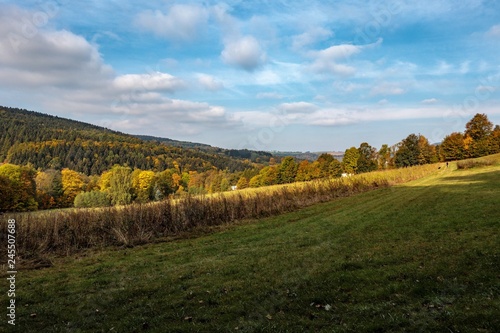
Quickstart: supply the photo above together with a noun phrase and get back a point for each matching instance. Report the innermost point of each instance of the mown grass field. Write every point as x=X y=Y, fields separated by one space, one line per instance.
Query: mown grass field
x=419 y=257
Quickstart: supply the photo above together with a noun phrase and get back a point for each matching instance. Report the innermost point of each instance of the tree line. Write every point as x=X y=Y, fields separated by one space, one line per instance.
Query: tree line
x=24 y=188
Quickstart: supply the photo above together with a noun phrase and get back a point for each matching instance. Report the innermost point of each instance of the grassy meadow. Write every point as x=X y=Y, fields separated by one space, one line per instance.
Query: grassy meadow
x=416 y=257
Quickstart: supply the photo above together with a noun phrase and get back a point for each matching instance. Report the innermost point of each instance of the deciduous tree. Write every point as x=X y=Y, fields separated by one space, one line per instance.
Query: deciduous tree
x=19 y=187
x=350 y=160
x=366 y=160
x=453 y=148
x=120 y=185
x=408 y=152
x=72 y=184
x=287 y=170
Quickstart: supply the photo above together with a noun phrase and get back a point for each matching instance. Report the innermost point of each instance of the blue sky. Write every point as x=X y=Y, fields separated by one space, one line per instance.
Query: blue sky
x=266 y=75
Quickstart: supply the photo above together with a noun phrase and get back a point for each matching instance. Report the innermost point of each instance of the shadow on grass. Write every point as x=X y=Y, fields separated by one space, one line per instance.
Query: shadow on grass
x=479 y=177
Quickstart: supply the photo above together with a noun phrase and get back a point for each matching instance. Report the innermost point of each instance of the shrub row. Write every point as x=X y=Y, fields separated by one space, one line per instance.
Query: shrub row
x=66 y=232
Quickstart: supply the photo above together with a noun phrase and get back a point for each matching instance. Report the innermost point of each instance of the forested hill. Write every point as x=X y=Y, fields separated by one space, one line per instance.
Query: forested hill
x=256 y=156
x=46 y=141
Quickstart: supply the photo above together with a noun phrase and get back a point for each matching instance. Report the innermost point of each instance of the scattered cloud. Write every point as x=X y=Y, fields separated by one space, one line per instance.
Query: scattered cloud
x=69 y=76
x=244 y=52
x=181 y=22
x=97 y=70
x=156 y=81
x=429 y=101
x=310 y=37
x=330 y=59
x=46 y=58
x=298 y=107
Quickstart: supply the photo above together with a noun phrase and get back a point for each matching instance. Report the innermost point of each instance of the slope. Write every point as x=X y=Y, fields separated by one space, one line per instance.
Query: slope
x=46 y=141
x=423 y=256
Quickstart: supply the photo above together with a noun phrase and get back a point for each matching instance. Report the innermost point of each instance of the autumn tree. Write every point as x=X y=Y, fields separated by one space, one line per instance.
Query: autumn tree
x=366 y=160
x=453 y=148
x=224 y=185
x=72 y=184
x=323 y=164
x=143 y=185
x=164 y=184
x=335 y=168
x=255 y=181
x=7 y=198
x=479 y=128
x=269 y=175
x=350 y=160
x=304 y=171
x=120 y=185
x=287 y=170
x=18 y=188
x=384 y=158
x=426 y=151
x=49 y=188
x=242 y=183
x=495 y=140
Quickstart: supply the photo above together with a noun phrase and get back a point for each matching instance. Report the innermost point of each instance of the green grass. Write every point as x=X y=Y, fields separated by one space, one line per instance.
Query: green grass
x=418 y=257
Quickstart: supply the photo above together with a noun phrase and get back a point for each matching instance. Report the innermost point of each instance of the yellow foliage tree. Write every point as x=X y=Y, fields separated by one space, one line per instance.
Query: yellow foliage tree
x=104 y=181
x=142 y=184
x=72 y=184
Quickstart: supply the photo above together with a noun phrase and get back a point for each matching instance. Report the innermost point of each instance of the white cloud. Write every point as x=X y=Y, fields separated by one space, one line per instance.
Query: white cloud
x=149 y=82
x=244 y=52
x=181 y=22
x=31 y=57
x=65 y=74
x=298 y=107
x=329 y=60
x=429 y=101
x=210 y=83
x=310 y=37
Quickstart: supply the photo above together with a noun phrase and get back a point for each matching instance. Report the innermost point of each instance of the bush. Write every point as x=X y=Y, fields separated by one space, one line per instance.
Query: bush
x=92 y=199
x=468 y=164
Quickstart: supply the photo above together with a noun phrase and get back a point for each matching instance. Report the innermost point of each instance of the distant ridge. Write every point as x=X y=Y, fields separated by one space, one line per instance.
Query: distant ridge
x=45 y=141
x=171 y=142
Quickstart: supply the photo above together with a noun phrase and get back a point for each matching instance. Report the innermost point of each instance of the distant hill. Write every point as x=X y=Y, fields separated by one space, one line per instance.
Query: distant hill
x=310 y=156
x=45 y=141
